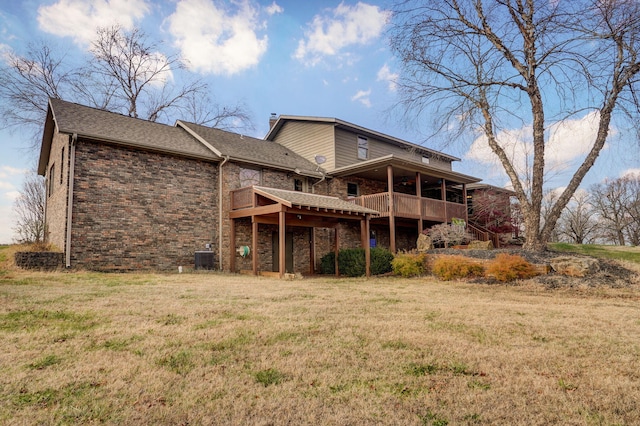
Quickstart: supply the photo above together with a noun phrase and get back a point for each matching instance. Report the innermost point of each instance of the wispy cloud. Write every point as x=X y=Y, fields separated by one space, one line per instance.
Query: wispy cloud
x=79 y=19
x=274 y=9
x=363 y=97
x=339 y=28
x=9 y=171
x=385 y=74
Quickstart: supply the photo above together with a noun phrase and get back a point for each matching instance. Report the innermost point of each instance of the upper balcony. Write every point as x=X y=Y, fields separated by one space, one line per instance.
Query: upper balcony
x=412 y=207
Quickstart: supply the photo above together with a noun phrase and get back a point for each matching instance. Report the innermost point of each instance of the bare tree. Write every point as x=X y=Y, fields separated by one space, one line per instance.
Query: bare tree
x=138 y=78
x=489 y=63
x=29 y=207
x=609 y=199
x=26 y=84
x=578 y=223
x=632 y=208
x=125 y=72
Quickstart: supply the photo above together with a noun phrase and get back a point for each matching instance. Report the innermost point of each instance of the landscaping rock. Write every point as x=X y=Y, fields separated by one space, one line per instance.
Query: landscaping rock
x=424 y=243
x=574 y=266
x=480 y=245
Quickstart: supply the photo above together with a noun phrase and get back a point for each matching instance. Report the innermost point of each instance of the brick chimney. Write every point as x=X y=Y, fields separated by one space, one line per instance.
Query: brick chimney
x=272 y=120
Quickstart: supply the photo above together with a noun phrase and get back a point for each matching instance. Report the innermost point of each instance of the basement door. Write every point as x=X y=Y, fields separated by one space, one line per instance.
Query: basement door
x=288 y=251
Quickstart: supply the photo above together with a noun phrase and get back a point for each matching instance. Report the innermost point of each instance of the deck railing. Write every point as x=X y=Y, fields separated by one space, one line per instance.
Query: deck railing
x=483 y=234
x=241 y=198
x=408 y=206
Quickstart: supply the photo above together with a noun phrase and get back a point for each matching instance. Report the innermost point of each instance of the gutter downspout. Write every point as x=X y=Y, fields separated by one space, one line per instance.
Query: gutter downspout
x=313 y=185
x=226 y=158
x=72 y=162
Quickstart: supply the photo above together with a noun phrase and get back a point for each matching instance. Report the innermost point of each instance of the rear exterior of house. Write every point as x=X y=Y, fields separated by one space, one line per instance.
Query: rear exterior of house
x=128 y=194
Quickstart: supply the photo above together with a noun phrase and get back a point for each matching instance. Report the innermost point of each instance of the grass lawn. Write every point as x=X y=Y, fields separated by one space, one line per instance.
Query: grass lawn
x=228 y=349
x=626 y=253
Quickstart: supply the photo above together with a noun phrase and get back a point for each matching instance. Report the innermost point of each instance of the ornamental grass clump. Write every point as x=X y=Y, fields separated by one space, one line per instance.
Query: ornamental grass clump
x=409 y=264
x=452 y=267
x=508 y=267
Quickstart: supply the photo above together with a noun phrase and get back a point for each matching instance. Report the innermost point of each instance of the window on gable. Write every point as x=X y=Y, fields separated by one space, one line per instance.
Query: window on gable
x=52 y=178
x=249 y=177
x=352 y=189
x=363 y=148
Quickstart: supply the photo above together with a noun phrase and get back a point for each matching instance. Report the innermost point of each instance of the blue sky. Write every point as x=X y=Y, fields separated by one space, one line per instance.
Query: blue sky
x=320 y=58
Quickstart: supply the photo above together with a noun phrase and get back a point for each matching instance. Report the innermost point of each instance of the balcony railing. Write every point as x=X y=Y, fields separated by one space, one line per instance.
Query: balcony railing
x=408 y=206
x=241 y=198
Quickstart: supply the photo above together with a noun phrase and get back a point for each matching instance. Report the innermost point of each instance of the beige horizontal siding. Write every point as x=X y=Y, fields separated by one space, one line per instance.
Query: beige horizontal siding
x=308 y=140
x=347 y=151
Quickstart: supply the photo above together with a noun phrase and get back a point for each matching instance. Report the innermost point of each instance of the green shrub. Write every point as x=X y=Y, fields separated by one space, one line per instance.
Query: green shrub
x=409 y=264
x=506 y=267
x=351 y=262
x=451 y=267
x=328 y=263
x=380 y=261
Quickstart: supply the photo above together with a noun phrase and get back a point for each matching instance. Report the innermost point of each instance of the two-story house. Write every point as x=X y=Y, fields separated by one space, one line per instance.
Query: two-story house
x=127 y=194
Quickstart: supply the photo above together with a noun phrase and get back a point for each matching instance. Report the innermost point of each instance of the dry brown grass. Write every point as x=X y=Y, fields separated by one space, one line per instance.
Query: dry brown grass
x=227 y=349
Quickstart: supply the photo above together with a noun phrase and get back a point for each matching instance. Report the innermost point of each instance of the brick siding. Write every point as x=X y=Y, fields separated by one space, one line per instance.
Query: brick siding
x=137 y=210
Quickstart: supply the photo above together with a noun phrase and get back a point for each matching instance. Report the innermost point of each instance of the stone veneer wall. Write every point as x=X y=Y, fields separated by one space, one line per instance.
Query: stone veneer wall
x=56 y=200
x=43 y=260
x=141 y=210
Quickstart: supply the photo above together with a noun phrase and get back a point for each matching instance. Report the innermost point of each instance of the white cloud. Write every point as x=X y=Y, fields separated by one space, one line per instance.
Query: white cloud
x=213 y=40
x=363 y=97
x=8 y=171
x=273 y=9
x=385 y=74
x=343 y=26
x=631 y=173
x=79 y=19
x=6 y=185
x=12 y=195
x=567 y=141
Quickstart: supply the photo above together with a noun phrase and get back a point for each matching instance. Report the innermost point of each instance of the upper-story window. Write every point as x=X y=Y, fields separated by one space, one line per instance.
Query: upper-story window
x=363 y=148
x=352 y=189
x=300 y=185
x=249 y=177
x=425 y=159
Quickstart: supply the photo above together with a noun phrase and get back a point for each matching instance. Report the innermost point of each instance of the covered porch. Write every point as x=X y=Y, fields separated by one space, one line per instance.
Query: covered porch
x=283 y=210
x=414 y=193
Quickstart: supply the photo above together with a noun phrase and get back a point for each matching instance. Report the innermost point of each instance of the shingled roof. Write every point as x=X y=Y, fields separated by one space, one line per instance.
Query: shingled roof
x=251 y=150
x=107 y=126
x=304 y=199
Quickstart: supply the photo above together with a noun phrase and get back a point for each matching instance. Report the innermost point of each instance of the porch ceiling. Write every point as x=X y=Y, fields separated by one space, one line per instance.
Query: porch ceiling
x=376 y=169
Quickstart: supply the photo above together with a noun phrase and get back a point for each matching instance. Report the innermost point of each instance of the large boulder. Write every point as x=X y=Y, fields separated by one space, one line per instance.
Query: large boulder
x=480 y=245
x=424 y=243
x=574 y=266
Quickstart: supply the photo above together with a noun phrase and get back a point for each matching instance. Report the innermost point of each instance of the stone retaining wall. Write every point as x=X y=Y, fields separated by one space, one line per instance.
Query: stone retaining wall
x=44 y=260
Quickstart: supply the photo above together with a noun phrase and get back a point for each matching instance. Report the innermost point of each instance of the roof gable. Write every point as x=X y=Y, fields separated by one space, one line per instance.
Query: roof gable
x=251 y=150
x=93 y=123
x=354 y=129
